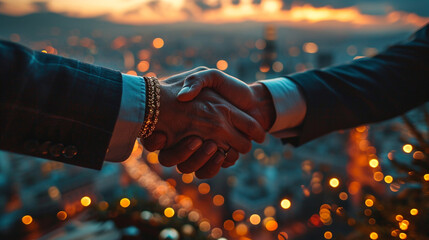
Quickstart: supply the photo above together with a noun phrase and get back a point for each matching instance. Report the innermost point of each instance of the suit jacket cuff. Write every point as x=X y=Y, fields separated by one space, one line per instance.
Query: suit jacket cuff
x=130 y=118
x=289 y=104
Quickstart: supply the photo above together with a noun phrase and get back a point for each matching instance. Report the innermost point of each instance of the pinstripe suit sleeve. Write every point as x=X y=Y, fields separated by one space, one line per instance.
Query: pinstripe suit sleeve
x=56 y=108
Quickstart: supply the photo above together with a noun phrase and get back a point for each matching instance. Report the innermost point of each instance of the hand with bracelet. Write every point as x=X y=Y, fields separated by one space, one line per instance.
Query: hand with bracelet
x=254 y=99
x=223 y=130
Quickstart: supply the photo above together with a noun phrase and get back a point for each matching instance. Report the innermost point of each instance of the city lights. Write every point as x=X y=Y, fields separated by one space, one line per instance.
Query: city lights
x=158 y=43
x=388 y=179
x=285 y=203
x=125 y=202
x=373 y=235
x=328 y=235
x=62 y=215
x=169 y=212
x=369 y=202
x=334 y=182
x=414 y=211
x=85 y=201
x=27 y=219
x=373 y=163
x=407 y=148
x=222 y=65
x=218 y=200
x=255 y=219
x=204 y=188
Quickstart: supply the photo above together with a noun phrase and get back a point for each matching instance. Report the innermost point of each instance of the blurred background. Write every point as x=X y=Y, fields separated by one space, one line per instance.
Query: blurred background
x=371 y=182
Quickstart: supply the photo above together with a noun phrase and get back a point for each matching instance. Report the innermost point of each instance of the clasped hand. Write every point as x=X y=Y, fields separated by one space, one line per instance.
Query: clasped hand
x=201 y=130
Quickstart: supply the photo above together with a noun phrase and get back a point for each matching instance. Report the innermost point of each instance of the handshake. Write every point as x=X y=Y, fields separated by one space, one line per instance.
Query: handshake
x=201 y=130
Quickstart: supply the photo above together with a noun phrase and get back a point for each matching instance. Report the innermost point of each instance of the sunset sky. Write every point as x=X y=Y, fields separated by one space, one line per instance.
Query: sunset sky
x=356 y=13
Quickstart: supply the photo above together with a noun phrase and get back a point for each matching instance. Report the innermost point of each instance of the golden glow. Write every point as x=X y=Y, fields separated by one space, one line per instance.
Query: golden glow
x=222 y=65
x=54 y=193
x=85 y=201
x=373 y=163
x=255 y=219
x=204 y=188
x=61 y=215
x=152 y=157
x=369 y=202
x=285 y=203
x=407 y=148
x=378 y=176
x=238 y=215
x=241 y=229
x=403 y=225
x=218 y=200
x=269 y=211
x=143 y=66
x=388 y=179
x=399 y=218
x=169 y=11
x=132 y=72
x=373 y=235
x=402 y=235
x=124 y=202
x=27 y=219
x=334 y=182
x=419 y=155
x=271 y=225
x=158 y=43
x=426 y=177
x=414 y=211
x=169 y=212
x=229 y=225
x=204 y=226
x=343 y=196
x=187 y=177
x=310 y=47
x=328 y=235
x=216 y=233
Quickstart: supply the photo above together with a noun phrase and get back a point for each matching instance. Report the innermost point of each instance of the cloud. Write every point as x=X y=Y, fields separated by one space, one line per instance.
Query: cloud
x=40 y=6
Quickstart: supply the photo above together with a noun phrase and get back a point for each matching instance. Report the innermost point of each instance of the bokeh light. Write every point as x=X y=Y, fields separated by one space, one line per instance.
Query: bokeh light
x=85 y=201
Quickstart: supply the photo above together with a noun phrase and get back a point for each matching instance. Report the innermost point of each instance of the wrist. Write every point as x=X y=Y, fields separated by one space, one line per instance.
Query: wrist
x=264 y=105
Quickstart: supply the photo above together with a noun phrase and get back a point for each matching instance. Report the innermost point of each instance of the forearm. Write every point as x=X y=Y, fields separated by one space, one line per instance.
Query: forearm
x=50 y=104
x=366 y=90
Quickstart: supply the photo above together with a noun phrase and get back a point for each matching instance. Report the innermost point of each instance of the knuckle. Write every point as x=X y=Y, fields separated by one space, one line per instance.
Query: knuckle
x=184 y=168
x=201 y=68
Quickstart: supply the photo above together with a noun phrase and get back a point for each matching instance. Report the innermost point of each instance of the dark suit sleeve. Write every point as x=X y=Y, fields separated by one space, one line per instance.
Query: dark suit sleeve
x=56 y=108
x=366 y=90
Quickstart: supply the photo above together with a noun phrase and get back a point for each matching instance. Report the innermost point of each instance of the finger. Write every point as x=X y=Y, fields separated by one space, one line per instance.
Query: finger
x=212 y=167
x=231 y=158
x=247 y=125
x=183 y=75
x=238 y=141
x=155 y=141
x=180 y=152
x=194 y=83
x=199 y=158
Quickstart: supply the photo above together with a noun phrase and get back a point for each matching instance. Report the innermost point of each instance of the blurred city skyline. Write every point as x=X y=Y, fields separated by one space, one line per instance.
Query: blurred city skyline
x=392 y=14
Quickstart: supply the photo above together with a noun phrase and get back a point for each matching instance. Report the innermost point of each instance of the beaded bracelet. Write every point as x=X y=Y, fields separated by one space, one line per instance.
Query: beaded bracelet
x=153 y=96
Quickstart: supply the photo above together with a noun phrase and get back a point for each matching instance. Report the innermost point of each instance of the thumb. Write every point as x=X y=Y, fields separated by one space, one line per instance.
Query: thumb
x=189 y=92
x=193 y=85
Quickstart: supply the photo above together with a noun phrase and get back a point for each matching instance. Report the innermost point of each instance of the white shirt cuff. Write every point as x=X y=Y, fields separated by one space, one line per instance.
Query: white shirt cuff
x=289 y=104
x=130 y=118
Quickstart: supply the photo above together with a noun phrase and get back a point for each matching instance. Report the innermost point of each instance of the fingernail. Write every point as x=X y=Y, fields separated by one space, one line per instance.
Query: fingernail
x=210 y=149
x=195 y=143
x=183 y=91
